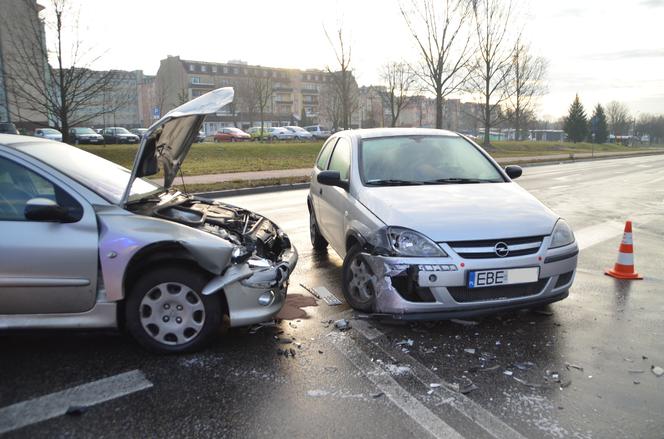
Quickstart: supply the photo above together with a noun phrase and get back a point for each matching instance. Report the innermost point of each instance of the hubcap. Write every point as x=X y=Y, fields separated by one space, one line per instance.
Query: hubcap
x=361 y=284
x=172 y=313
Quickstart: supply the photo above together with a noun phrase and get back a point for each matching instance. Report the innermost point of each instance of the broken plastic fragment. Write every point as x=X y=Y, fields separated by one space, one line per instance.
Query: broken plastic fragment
x=658 y=371
x=468 y=388
x=377 y=395
x=526 y=383
x=524 y=365
x=469 y=351
x=568 y=365
x=434 y=385
x=342 y=325
x=408 y=342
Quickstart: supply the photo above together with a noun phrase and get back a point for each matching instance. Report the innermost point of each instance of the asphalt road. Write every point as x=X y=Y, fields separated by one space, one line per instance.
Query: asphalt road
x=375 y=380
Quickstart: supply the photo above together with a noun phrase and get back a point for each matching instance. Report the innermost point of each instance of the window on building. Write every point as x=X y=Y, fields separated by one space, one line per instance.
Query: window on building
x=214 y=69
x=203 y=68
x=236 y=71
x=191 y=67
x=195 y=79
x=225 y=69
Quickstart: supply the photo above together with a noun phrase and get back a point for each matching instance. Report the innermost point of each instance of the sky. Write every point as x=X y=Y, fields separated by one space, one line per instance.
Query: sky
x=603 y=50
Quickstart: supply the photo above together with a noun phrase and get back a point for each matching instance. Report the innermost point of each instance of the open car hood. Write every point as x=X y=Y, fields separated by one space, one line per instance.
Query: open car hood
x=167 y=142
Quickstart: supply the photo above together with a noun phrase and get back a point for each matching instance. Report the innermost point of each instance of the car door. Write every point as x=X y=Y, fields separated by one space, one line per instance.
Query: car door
x=316 y=189
x=333 y=200
x=45 y=266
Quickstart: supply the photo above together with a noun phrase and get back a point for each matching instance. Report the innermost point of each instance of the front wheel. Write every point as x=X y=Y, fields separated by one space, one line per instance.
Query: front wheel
x=166 y=312
x=358 y=281
x=317 y=241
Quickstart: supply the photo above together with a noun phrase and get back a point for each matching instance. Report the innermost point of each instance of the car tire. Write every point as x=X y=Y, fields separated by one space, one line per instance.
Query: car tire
x=166 y=312
x=317 y=241
x=358 y=281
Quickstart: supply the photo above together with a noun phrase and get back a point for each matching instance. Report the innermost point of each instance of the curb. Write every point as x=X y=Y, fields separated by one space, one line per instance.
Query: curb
x=295 y=186
x=252 y=190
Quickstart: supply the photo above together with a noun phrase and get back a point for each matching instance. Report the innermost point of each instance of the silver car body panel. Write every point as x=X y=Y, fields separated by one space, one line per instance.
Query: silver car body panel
x=479 y=212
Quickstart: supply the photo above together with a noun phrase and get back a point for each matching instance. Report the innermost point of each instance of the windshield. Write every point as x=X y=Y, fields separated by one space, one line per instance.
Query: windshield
x=49 y=131
x=424 y=160
x=83 y=131
x=106 y=178
x=120 y=131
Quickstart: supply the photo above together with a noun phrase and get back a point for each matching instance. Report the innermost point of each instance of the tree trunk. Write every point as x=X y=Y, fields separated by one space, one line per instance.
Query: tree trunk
x=439 y=110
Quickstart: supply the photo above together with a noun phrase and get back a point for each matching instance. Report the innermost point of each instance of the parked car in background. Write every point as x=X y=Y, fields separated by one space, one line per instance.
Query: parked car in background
x=89 y=244
x=256 y=133
x=200 y=137
x=231 y=134
x=140 y=132
x=430 y=226
x=85 y=135
x=48 y=133
x=318 y=131
x=119 y=135
x=300 y=133
x=279 y=133
x=8 y=128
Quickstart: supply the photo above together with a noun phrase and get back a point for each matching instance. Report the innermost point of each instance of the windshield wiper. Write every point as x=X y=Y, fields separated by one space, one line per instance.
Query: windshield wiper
x=393 y=182
x=461 y=181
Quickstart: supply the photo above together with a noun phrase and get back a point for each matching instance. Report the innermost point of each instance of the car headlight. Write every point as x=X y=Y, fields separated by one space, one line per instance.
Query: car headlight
x=406 y=242
x=562 y=234
x=240 y=254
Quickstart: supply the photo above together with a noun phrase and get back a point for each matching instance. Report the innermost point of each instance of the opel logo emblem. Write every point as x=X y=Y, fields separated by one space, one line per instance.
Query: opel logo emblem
x=501 y=249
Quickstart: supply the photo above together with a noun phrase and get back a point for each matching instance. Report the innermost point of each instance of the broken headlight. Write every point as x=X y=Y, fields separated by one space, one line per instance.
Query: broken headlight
x=406 y=242
x=241 y=254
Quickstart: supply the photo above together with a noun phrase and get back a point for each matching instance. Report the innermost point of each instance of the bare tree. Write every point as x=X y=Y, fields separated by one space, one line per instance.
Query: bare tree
x=182 y=97
x=526 y=84
x=619 y=118
x=66 y=91
x=344 y=85
x=444 y=44
x=330 y=105
x=262 y=93
x=399 y=80
x=161 y=93
x=493 y=64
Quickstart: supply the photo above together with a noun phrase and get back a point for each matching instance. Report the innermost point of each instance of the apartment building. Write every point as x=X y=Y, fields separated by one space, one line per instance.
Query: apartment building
x=294 y=92
x=21 y=40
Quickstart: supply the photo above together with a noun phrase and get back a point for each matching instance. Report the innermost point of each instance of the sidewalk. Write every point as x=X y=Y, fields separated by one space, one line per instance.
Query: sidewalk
x=303 y=172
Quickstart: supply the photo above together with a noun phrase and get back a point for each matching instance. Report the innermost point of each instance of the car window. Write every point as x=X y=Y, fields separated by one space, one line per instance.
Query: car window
x=340 y=160
x=19 y=184
x=424 y=159
x=324 y=156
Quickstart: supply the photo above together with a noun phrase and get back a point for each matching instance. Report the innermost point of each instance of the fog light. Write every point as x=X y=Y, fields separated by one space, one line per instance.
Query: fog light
x=266 y=298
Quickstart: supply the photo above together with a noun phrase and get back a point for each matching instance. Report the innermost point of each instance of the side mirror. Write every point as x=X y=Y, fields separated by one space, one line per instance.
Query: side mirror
x=332 y=178
x=513 y=171
x=43 y=209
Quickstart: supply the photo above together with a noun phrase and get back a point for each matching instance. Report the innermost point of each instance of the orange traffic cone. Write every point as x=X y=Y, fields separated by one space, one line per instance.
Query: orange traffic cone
x=624 y=268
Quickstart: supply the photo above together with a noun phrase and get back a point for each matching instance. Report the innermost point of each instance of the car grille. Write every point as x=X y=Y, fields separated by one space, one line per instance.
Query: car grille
x=464 y=294
x=485 y=249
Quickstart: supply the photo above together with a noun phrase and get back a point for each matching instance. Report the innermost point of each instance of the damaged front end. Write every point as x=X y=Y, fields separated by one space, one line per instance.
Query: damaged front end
x=414 y=278
x=251 y=260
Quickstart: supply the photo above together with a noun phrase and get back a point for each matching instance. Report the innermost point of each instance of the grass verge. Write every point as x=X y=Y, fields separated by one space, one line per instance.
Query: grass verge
x=241 y=184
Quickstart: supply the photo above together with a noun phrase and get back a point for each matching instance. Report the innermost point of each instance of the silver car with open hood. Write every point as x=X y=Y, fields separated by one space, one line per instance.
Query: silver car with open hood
x=89 y=244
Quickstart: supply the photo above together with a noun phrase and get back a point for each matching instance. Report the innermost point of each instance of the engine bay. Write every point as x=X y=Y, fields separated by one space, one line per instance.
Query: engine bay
x=258 y=235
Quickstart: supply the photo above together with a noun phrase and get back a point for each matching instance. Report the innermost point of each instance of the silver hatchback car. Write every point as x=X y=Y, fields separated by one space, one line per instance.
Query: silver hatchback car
x=89 y=244
x=429 y=226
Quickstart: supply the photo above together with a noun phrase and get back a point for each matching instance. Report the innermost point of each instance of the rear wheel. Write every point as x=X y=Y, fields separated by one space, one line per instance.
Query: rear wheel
x=358 y=281
x=317 y=241
x=166 y=312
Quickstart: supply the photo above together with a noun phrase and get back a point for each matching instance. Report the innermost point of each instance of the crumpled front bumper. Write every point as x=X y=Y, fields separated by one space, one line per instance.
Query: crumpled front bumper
x=254 y=293
x=436 y=288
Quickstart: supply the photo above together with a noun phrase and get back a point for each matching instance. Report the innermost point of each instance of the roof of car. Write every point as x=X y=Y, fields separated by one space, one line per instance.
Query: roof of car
x=16 y=140
x=368 y=133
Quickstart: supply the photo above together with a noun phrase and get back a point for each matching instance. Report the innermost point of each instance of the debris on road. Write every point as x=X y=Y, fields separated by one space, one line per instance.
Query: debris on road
x=524 y=365
x=342 y=325
x=310 y=291
x=327 y=297
x=526 y=383
x=469 y=351
x=574 y=366
x=434 y=385
x=284 y=340
x=408 y=342
x=76 y=410
x=468 y=388
x=509 y=373
x=377 y=395
x=658 y=371
x=488 y=369
x=465 y=322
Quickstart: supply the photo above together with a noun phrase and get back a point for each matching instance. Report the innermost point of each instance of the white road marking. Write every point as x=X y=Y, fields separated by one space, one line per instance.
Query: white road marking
x=56 y=404
x=417 y=411
x=589 y=236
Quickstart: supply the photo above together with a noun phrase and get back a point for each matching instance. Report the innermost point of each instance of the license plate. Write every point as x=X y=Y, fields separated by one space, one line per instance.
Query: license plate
x=508 y=276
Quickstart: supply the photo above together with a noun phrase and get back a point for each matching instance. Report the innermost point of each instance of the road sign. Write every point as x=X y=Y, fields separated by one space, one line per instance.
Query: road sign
x=156 y=114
